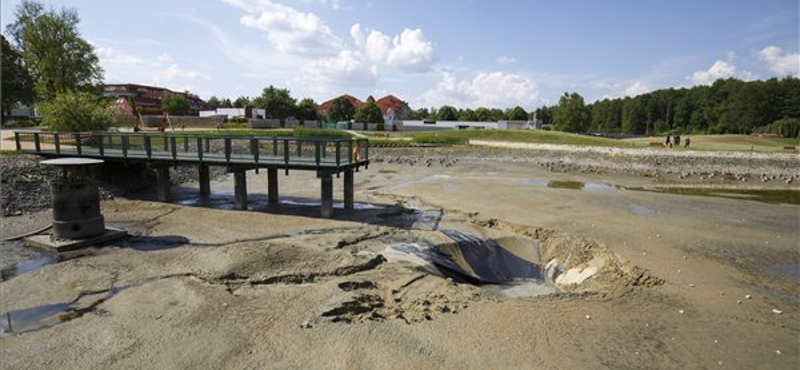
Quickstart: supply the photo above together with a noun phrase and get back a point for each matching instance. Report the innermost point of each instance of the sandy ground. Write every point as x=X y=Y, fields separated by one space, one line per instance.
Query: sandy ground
x=683 y=281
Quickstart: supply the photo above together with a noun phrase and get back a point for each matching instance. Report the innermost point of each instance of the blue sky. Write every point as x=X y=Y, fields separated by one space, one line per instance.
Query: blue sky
x=466 y=53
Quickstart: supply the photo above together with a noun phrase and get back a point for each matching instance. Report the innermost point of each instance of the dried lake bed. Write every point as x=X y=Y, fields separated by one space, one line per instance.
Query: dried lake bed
x=603 y=267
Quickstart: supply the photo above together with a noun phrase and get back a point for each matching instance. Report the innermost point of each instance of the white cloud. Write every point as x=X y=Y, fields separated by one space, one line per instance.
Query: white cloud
x=784 y=64
x=503 y=59
x=409 y=51
x=493 y=89
x=720 y=69
x=348 y=69
x=288 y=29
x=123 y=67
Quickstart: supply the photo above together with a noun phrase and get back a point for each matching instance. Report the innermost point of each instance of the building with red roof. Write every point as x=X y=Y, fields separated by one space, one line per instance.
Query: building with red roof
x=392 y=107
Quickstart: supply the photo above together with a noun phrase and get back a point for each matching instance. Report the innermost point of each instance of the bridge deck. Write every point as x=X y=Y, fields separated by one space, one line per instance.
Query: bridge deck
x=330 y=155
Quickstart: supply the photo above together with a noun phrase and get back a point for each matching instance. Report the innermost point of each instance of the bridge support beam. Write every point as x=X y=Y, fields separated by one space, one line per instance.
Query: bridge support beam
x=240 y=190
x=327 y=195
x=272 y=185
x=348 y=188
x=205 y=180
x=163 y=185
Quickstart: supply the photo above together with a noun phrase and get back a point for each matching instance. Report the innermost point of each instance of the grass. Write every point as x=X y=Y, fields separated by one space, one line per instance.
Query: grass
x=726 y=142
x=462 y=137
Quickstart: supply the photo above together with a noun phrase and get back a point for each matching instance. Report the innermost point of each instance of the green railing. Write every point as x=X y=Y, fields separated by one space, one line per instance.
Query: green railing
x=245 y=150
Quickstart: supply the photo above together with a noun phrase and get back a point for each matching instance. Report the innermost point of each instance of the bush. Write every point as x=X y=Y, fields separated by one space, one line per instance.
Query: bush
x=320 y=132
x=787 y=127
x=235 y=124
x=77 y=111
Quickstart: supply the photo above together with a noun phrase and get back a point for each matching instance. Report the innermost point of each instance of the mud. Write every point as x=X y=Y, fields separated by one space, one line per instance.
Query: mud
x=623 y=278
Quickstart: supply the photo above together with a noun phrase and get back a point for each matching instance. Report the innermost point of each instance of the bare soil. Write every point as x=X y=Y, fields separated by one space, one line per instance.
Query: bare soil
x=679 y=281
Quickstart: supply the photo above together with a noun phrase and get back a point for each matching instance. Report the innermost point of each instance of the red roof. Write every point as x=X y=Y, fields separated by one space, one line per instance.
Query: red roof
x=326 y=106
x=393 y=102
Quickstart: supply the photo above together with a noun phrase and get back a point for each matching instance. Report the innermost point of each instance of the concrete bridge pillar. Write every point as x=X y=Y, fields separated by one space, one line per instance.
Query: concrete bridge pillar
x=163 y=185
x=348 y=188
x=205 y=180
x=272 y=185
x=240 y=190
x=327 y=195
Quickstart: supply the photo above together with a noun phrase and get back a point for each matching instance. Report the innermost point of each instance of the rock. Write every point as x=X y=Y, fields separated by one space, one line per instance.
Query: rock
x=747 y=296
x=776 y=311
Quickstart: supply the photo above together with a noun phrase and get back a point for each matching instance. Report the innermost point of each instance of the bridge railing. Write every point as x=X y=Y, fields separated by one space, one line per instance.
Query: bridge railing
x=187 y=147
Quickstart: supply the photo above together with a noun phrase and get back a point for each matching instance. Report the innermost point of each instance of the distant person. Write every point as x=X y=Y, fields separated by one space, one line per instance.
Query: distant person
x=677 y=141
x=688 y=141
x=667 y=142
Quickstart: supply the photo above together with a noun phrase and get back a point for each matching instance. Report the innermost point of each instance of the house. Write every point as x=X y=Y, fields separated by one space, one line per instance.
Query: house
x=392 y=107
x=147 y=99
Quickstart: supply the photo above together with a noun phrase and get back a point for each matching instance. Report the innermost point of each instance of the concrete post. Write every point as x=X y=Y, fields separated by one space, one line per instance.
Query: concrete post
x=272 y=185
x=162 y=184
x=240 y=190
x=205 y=180
x=327 y=195
x=348 y=188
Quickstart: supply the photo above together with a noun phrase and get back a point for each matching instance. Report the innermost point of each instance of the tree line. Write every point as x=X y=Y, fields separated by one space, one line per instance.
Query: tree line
x=728 y=106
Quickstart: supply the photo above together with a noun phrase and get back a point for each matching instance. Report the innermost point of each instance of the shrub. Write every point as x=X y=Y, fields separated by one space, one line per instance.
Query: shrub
x=77 y=111
x=788 y=127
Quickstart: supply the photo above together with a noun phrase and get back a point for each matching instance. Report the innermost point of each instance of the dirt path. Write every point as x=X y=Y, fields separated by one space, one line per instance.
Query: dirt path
x=685 y=281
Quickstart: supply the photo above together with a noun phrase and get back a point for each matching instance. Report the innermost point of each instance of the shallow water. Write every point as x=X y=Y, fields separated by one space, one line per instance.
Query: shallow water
x=28 y=266
x=772 y=196
x=791 y=271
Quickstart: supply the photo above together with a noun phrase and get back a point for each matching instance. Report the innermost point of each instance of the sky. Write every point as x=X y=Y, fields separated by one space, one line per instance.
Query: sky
x=465 y=53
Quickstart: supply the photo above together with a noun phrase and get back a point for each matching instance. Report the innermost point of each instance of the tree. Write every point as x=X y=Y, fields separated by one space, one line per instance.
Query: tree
x=467 y=115
x=58 y=58
x=278 y=103
x=368 y=113
x=213 y=101
x=226 y=103
x=307 y=110
x=517 y=114
x=77 y=111
x=447 y=113
x=483 y=114
x=175 y=104
x=241 y=102
x=571 y=114
x=17 y=85
x=341 y=110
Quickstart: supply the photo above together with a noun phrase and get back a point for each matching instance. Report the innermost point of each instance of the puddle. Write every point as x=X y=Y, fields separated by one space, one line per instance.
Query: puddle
x=574 y=185
x=643 y=211
x=525 y=289
x=772 y=196
x=28 y=266
x=224 y=200
x=791 y=271
x=42 y=317
x=32 y=319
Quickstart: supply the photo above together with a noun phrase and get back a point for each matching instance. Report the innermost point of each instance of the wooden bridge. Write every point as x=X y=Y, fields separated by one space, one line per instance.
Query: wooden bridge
x=239 y=153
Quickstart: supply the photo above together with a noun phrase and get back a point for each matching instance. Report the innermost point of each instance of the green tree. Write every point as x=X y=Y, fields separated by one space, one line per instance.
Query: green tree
x=307 y=110
x=58 y=58
x=176 y=105
x=241 y=102
x=77 y=111
x=341 y=110
x=225 y=103
x=517 y=114
x=213 y=101
x=278 y=103
x=482 y=114
x=467 y=115
x=497 y=114
x=571 y=114
x=447 y=113
x=17 y=85
x=368 y=113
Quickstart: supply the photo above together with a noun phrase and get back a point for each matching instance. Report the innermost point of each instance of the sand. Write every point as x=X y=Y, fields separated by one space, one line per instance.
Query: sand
x=677 y=282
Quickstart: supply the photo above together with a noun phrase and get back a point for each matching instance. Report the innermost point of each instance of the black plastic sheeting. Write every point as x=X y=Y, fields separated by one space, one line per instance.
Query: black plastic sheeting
x=474 y=260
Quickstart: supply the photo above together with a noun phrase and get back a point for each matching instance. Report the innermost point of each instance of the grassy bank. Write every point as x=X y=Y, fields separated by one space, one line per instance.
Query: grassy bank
x=726 y=142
